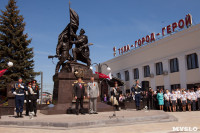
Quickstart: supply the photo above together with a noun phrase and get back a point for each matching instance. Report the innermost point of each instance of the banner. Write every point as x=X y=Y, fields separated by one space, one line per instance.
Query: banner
x=2 y=72
x=103 y=76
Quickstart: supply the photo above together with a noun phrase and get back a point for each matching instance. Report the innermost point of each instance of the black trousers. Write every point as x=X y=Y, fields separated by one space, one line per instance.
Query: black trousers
x=179 y=107
x=198 y=103
x=193 y=105
x=150 y=103
x=33 y=106
x=27 y=107
x=79 y=101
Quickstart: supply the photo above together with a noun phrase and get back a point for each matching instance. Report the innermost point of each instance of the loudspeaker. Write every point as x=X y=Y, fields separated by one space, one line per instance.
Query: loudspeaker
x=145 y=85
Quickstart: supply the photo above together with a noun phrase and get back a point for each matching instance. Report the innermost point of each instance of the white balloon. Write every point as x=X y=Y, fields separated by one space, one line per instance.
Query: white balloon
x=10 y=64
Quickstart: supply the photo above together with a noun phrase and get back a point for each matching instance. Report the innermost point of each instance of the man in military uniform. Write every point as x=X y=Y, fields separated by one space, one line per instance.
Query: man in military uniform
x=34 y=93
x=137 y=91
x=18 y=91
x=81 y=51
x=27 y=100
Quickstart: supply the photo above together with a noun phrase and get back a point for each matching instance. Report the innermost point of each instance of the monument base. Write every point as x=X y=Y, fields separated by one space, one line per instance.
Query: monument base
x=63 y=93
x=70 y=109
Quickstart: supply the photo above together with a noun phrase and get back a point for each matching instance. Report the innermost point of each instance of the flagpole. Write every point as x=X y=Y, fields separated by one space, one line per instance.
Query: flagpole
x=69 y=24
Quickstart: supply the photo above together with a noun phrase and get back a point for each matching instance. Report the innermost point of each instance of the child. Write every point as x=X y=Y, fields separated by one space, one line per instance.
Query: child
x=194 y=99
x=178 y=93
x=183 y=100
x=105 y=98
x=167 y=102
x=188 y=100
x=173 y=98
x=198 y=97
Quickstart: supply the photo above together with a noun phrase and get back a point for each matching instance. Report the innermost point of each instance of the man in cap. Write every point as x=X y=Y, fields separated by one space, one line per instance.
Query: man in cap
x=137 y=91
x=34 y=96
x=27 y=99
x=18 y=91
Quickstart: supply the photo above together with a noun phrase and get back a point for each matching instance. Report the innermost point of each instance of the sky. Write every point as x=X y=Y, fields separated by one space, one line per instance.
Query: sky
x=107 y=23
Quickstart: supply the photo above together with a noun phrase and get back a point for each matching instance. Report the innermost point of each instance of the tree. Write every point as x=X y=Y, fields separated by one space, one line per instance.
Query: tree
x=14 y=46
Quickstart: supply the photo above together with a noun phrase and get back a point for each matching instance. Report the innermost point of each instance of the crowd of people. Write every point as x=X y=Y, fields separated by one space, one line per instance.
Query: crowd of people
x=28 y=94
x=176 y=100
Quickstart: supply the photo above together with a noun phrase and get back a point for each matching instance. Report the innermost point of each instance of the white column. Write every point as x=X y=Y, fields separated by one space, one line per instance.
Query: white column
x=182 y=68
x=122 y=75
x=166 y=77
x=153 y=81
x=131 y=78
x=141 y=74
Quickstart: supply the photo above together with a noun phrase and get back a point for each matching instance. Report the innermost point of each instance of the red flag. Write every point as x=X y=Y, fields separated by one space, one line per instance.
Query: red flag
x=2 y=72
x=101 y=75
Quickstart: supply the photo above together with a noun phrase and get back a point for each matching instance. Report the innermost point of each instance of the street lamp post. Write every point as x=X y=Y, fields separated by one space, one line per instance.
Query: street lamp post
x=99 y=66
x=41 y=73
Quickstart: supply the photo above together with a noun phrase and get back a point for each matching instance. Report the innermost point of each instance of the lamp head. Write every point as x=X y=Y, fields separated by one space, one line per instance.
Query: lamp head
x=108 y=68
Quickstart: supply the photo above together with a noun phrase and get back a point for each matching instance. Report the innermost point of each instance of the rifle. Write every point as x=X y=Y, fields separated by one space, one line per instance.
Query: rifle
x=53 y=56
x=88 y=44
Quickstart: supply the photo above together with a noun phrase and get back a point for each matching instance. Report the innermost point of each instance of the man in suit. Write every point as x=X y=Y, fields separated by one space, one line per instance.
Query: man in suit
x=79 y=92
x=93 y=93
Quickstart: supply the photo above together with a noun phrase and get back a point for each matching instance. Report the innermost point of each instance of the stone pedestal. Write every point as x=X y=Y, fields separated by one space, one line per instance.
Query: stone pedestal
x=63 y=94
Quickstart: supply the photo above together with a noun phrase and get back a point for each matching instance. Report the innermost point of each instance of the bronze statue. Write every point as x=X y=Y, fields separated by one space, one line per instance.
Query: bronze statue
x=81 y=52
x=66 y=40
x=64 y=45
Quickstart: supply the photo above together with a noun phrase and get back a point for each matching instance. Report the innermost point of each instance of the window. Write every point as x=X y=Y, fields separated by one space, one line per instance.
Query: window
x=119 y=75
x=146 y=71
x=175 y=86
x=159 y=68
x=192 y=61
x=126 y=75
x=160 y=87
x=136 y=73
x=174 y=67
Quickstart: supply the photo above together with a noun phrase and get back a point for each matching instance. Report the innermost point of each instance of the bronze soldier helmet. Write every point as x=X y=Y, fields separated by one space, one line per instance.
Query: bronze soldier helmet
x=82 y=31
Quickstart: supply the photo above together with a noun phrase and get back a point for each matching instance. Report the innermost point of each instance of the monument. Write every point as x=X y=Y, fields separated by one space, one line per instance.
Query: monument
x=70 y=66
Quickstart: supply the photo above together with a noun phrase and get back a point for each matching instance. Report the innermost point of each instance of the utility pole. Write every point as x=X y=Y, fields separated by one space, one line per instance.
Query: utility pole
x=41 y=74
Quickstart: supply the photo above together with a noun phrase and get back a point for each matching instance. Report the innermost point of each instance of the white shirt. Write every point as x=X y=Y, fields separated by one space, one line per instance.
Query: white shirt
x=173 y=97
x=167 y=96
x=193 y=95
x=188 y=95
x=183 y=97
x=178 y=94
x=198 y=93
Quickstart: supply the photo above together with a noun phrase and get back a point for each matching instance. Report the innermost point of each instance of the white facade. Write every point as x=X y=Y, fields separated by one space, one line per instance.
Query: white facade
x=177 y=45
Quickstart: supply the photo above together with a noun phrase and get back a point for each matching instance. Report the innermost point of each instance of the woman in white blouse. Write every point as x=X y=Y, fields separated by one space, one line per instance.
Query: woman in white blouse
x=183 y=100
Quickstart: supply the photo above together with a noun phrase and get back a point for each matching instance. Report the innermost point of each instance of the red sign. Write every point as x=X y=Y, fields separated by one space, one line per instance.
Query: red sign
x=152 y=37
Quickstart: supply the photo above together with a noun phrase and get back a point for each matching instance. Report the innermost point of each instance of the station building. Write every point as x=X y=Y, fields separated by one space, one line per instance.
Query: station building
x=170 y=62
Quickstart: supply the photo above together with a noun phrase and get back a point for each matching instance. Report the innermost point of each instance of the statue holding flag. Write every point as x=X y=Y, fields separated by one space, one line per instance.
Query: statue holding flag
x=66 y=40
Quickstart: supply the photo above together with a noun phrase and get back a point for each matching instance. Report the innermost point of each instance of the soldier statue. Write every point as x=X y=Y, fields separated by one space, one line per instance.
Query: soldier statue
x=81 y=51
x=64 y=45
